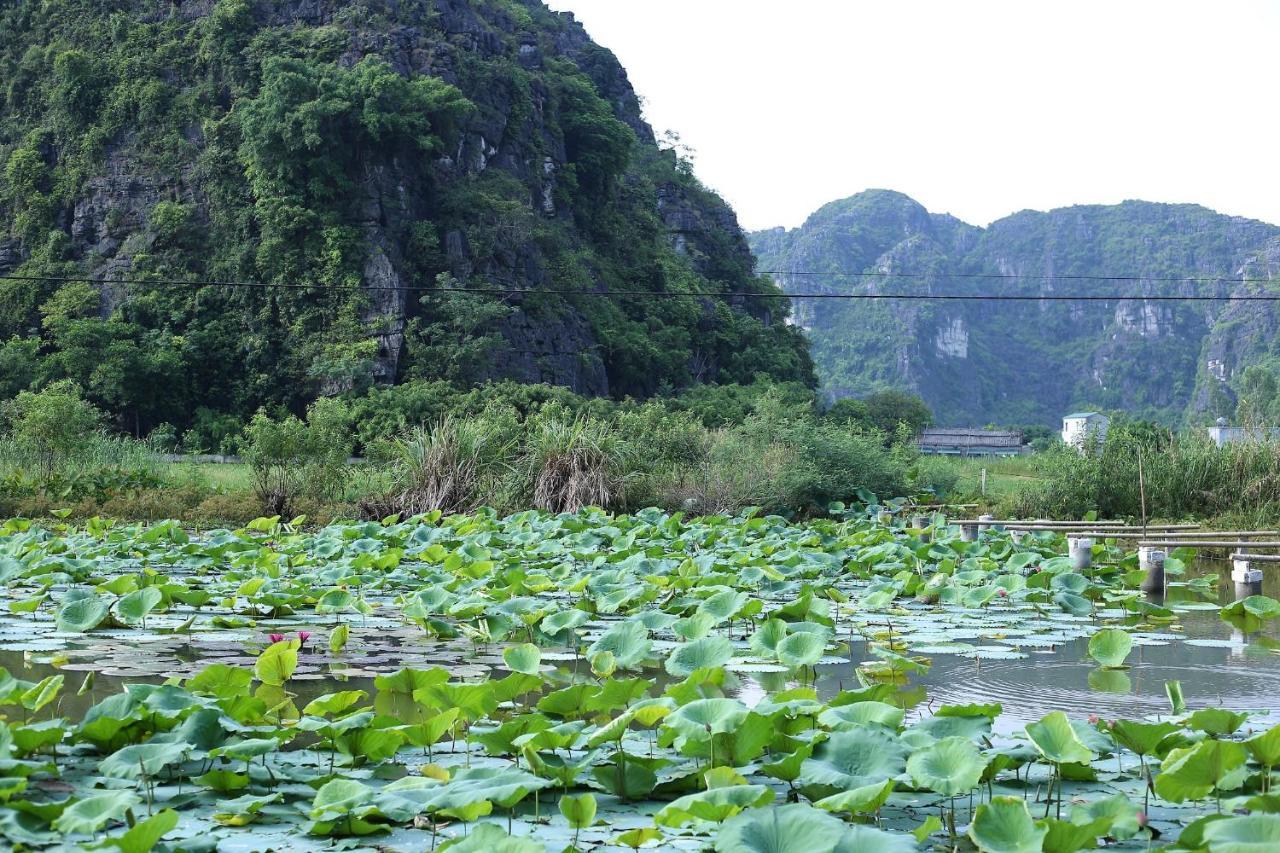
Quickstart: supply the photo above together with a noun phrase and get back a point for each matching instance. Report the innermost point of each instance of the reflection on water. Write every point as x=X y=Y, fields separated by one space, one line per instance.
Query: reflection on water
x=1241 y=674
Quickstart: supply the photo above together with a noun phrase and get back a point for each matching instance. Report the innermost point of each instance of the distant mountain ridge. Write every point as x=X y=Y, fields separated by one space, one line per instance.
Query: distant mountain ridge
x=1025 y=362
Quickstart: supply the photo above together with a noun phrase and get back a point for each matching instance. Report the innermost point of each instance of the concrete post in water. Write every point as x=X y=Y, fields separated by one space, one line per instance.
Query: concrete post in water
x=969 y=532
x=921 y=523
x=1080 y=549
x=984 y=522
x=1151 y=561
x=885 y=517
x=1248 y=580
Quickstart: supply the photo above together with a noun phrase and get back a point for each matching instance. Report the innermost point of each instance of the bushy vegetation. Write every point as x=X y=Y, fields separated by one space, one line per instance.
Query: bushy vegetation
x=1186 y=476
x=429 y=446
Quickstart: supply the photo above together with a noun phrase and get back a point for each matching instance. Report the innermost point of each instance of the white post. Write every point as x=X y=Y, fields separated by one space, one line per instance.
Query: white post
x=1247 y=579
x=984 y=522
x=1080 y=549
x=1151 y=561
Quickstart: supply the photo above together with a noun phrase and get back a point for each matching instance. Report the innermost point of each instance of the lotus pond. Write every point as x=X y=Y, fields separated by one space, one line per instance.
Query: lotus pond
x=590 y=681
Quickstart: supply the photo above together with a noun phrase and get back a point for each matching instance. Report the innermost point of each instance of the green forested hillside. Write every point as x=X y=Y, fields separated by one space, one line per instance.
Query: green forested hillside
x=1031 y=362
x=347 y=154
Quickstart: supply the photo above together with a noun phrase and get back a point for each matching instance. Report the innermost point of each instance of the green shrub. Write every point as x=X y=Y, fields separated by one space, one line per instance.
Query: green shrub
x=290 y=458
x=52 y=426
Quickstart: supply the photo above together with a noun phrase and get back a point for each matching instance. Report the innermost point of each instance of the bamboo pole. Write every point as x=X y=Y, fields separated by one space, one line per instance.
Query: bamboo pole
x=1209 y=543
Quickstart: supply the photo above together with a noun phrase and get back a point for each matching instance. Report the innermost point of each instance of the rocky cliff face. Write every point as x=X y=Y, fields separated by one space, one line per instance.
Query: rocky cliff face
x=380 y=147
x=1030 y=361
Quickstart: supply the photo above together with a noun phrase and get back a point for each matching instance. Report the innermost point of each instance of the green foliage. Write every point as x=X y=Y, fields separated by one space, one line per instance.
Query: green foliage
x=53 y=426
x=285 y=150
x=1185 y=477
x=291 y=457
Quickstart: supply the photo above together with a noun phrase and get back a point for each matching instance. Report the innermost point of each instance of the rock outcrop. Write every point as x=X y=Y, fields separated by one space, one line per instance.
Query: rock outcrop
x=1028 y=362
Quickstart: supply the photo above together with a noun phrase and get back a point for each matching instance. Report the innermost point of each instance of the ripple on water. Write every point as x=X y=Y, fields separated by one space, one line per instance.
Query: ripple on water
x=1029 y=689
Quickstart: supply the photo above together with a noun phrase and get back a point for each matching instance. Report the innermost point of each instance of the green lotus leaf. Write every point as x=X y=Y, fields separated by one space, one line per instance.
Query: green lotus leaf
x=797 y=828
x=1192 y=772
x=1260 y=606
x=628 y=642
x=525 y=658
x=145 y=834
x=1259 y=833
x=724 y=605
x=860 y=714
x=764 y=642
x=1057 y=741
x=142 y=759
x=82 y=614
x=1005 y=825
x=561 y=620
x=939 y=727
x=805 y=649
x=504 y=786
x=864 y=800
x=1063 y=836
x=135 y=606
x=341 y=797
x=220 y=680
x=949 y=767
x=702 y=718
x=41 y=694
x=579 y=810
x=1142 y=738
x=87 y=816
x=714 y=804
x=693 y=627
x=489 y=838
x=276 y=663
x=705 y=653
x=1265 y=747
x=1069 y=582
x=1074 y=604
x=637 y=838
x=1217 y=722
x=855 y=758
x=333 y=703
x=868 y=839
x=1110 y=646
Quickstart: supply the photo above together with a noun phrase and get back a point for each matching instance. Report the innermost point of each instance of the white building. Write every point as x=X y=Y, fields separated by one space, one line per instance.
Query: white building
x=1222 y=434
x=1083 y=430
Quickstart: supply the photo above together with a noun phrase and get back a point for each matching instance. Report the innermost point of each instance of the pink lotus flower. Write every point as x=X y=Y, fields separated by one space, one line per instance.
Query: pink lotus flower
x=276 y=638
x=303 y=636
x=1002 y=592
x=1094 y=719
x=1142 y=818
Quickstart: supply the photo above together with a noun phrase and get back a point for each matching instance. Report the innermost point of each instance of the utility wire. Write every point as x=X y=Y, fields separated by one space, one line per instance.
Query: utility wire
x=502 y=291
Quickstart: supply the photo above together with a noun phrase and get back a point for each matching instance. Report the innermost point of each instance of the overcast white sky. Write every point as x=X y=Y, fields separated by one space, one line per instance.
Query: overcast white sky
x=974 y=107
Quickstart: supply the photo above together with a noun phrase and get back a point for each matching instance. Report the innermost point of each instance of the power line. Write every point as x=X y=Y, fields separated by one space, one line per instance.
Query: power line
x=997 y=276
x=502 y=291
